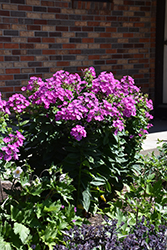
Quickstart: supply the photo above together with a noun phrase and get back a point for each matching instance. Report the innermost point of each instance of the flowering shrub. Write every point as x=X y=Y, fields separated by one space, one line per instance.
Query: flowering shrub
x=92 y=127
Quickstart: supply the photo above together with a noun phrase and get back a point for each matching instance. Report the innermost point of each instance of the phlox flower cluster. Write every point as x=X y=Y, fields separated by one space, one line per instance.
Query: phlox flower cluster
x=95 y=99
x=3 y=106
x=78 y=132
x=104 y=100
x=17 y=103
x=11 y=150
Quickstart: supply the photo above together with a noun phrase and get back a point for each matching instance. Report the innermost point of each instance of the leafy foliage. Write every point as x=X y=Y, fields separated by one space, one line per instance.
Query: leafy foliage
x=146 y=196
x=37 y=210
x=143 y=235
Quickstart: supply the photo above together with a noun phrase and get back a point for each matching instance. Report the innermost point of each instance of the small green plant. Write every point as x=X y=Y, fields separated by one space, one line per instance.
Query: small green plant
x=37 y=210
x=146 y=196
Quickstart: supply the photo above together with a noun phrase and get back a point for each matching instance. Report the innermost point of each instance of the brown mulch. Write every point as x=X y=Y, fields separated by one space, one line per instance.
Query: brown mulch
x=3 y=194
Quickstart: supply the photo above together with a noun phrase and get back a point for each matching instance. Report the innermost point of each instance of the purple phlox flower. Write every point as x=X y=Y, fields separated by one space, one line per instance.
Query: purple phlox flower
x=3 y=106
x=149 y=116
x=51 y=91
x=149 y=104
x=149 y=125
x=78 y=132
x=75 y=209
x=143 y=131
x=127 y=83
x=13 y=143
x=128 y=105
x=118 y=124
x=17 y=102
x=105 y=84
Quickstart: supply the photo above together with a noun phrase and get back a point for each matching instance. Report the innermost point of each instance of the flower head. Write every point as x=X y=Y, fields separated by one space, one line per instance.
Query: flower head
x=17 y=172
x=78 y=132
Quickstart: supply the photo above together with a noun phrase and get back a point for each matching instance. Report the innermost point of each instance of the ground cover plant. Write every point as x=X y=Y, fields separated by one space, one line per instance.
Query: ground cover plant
x=73 y=142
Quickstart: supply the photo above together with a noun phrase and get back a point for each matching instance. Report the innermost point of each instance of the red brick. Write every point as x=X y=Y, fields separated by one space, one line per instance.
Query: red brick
x=61 y=28
x=27 y=58
x=4 y=13
x=89 y=29
x=6 y=89
x=1 y=45
x=4 y=26
x=143 y=60
x=98 y=18
x=74 y=51
x=6 y=77
x=26 y=45
x=87 y=40
x=110 y=29
x=40 y=21
x=12 y=71
x=37 y=75
x=33 y=27
x=48 y=52
x=48 y=40
x=105 y=34
x=138 y=56
x=61 y=16
x=111 y=61
x=138 y=76
x=54 y=10
x=69 y=46
x=128 y=35
x=63 y=63
x=139 y=24
x=26 y=8
x=105 y=46
x=111 y=18
x=111 y=51
x=144 y=40
x=93 y=23
x=60 y=4
x=18 y=89
x=116 y=56
x=47 y=3
x=92 y=57
x=34 y=39
x=1 y=58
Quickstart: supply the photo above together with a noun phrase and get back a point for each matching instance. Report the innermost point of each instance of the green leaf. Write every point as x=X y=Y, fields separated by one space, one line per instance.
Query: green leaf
x=4 y=245
x=86 y=199
x=22 y=231
x=98 y=181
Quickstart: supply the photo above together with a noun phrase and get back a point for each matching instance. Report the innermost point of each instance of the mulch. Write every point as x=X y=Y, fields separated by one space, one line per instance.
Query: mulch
x=3 y=194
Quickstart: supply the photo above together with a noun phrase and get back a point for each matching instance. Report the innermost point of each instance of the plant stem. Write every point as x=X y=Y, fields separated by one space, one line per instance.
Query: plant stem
x=79 y=183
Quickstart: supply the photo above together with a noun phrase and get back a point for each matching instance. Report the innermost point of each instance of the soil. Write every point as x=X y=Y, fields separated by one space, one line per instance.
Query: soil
x=6 y=185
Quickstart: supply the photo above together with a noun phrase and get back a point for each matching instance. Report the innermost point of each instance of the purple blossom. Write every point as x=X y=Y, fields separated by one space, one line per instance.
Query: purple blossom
x=104 y=99
x=78 y=132
x=10 y=151
x=17 y=102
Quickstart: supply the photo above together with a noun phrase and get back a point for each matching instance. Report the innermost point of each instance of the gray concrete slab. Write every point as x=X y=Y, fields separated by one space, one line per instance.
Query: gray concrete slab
x=156 y=133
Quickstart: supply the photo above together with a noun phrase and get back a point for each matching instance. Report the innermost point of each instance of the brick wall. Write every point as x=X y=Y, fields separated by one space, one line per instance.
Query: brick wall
x=39 y=37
